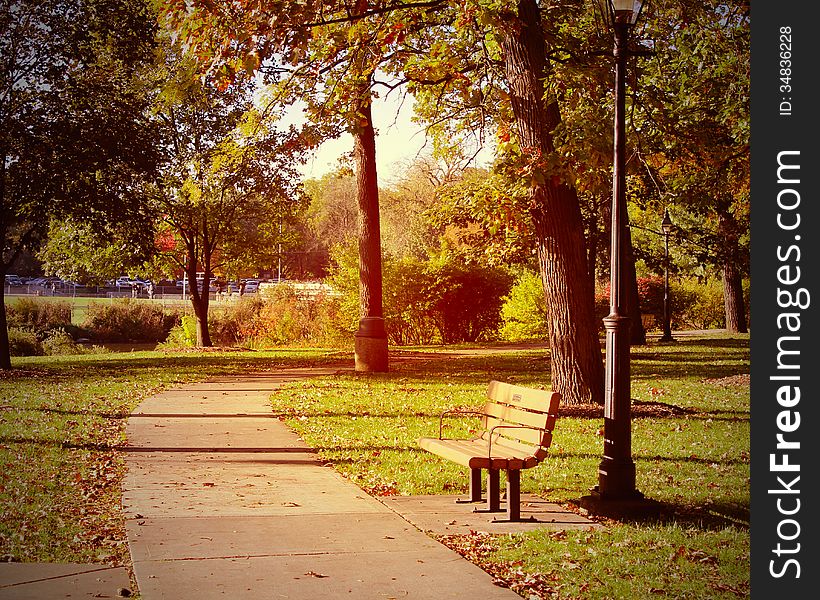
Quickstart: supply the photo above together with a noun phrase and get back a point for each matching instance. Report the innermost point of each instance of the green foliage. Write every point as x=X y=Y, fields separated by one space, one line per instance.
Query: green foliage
x=697 y=305
x=437 y=300
x=39 y=316
x=290 y=320
x=467 y=301
x=693 y=304
x=524 y=312
x=23 y=341
x=277 y=317
x=229 y=188
x=483 y=219
x=230 y=323
x=410 y=299
x=75 y=135
x=692 y=110
x=38 y=327
x=182 y=335
x=81 y=253
x=128 y=320
x=59 y=341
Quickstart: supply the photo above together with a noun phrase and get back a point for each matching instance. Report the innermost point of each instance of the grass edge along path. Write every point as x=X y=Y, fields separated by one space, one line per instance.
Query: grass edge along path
x=690 y=445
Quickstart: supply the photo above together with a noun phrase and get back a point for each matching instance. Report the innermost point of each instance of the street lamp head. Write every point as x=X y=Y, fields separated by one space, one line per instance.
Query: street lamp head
x=625 y=11
x=667 y=224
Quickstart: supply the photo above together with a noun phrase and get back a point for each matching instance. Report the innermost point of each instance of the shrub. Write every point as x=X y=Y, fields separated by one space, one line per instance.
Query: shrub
x=524 y=313
x=468 y=300
x=285 y=317
x=127 y=320
x=23 y=341
x=277 y=317
x=40 y=316
x=409 y=297
x=230 y=324
x=698 y=305
x=445 y=301
x=650 y=297
x=182 y=335
x=59 y=341
x=693 y=304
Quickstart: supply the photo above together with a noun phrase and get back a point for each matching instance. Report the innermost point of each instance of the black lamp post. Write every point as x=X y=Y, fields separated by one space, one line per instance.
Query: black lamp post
x=616 y=472
x=666 y=226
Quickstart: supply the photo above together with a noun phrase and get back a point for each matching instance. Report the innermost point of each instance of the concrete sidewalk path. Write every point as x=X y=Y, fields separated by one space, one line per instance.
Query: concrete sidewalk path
x=224 y=501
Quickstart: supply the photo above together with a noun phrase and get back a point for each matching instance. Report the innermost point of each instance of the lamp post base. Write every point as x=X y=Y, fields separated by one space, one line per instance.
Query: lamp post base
x=634 y=507
x=616 y=480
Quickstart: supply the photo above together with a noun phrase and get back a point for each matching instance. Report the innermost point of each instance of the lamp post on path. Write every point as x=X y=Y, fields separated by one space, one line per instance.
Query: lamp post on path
x=616 y=471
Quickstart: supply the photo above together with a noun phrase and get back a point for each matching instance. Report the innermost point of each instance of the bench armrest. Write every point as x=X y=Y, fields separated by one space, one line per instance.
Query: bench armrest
x=476 y=413
x=492 y=431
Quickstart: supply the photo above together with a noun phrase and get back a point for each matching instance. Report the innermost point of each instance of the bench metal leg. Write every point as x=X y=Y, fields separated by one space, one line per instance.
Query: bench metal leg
x=475 y=487
x=493 y=492
x=514 y=495
x=514 y=499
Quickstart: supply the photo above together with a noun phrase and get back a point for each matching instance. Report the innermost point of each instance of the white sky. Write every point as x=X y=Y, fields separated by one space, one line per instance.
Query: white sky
x=398 y=142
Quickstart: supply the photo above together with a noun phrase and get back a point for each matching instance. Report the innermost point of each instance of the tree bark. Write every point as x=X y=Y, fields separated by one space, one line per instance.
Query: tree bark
x=371 y=353
x=733 y=303
x=577 y=366
x=199 y=301
x=5 y=351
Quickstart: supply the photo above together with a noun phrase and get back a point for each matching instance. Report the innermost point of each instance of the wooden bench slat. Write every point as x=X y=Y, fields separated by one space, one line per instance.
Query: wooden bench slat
x=523 y=434
x=475 y=456
x=522 y=397
x=515 y=415
x=521 y=447
x=474 y=447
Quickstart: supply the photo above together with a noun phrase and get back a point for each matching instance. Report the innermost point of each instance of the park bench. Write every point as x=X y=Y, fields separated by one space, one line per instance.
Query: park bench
x=517 y=424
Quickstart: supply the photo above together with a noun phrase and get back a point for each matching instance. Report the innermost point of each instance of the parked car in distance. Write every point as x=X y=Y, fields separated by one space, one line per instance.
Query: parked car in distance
x=251 y=286
x=14 y=280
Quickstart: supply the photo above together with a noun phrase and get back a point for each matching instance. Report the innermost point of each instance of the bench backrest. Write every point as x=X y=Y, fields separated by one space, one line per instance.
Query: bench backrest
x=516 y=405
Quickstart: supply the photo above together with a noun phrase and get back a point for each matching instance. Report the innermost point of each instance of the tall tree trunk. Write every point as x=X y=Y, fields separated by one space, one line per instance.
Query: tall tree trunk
x=371 y=353
x=203 y=334
x=5 y=352
x=577 y=366
x=199 y=301
x=733 y=304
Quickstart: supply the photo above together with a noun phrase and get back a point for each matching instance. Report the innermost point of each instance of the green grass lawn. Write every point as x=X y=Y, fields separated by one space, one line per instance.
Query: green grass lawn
x=62 y=418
